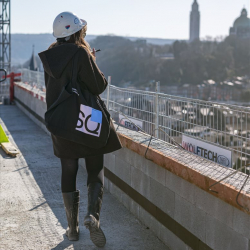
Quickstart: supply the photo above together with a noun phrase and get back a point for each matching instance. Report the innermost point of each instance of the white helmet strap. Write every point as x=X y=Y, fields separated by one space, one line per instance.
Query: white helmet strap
x=67 y=38
x=63 y=39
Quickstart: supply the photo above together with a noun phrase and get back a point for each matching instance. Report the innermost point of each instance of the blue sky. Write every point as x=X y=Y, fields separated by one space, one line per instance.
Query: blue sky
x=140 y=18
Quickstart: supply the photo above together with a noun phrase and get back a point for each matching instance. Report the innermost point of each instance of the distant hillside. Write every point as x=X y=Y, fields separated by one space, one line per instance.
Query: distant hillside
x=22 y=44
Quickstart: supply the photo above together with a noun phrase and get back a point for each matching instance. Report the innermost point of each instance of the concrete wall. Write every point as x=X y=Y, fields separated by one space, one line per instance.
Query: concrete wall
x=180 y=213
x=213 y=221
x=31 y=103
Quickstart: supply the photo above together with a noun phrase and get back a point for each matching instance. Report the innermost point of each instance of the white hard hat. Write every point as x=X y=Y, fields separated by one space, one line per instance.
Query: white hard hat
x=66 y=24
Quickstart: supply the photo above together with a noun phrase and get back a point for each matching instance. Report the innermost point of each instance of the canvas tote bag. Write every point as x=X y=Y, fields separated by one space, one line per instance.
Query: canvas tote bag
x=79 y=116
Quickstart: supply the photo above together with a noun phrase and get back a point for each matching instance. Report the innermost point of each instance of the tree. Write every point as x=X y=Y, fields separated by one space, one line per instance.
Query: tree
x=139 y=63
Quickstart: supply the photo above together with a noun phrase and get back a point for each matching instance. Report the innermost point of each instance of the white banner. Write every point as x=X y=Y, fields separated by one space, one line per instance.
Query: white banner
x=128 y=123
x=207 y=150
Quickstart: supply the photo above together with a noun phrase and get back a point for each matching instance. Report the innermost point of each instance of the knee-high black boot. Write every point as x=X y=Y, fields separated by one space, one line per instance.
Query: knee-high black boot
x=71 y=203
x=92 y=219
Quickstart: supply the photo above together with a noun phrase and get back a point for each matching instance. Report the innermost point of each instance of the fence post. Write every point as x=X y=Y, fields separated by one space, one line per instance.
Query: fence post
x=21 y=73
x=157 y=91
x=108 y=89
x=37 y=78
x=29 y=76
x=12 y=76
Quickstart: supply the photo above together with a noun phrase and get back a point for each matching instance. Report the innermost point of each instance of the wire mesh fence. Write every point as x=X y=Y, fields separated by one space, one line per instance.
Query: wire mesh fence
x=137 y=105
x=33 y=78
x=4 y=88
x=4 y=85
x=173 y=118
x=225 y=129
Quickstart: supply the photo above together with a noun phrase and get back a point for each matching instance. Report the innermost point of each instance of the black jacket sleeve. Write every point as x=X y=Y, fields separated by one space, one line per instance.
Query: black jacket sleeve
x=89 y=75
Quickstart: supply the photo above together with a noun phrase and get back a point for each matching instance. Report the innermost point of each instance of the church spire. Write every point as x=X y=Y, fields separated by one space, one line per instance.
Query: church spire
x=33 y=62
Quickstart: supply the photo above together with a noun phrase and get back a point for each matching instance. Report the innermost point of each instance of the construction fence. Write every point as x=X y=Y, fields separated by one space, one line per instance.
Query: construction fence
x=216 y=131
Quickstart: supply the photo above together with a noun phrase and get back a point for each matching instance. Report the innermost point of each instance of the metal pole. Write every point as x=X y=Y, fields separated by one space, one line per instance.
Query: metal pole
x=5 y=49
x=2 y=55
x=29 y=76
x=157 y=91
x=12 y=76
x=37 y=77
x=108 y=89
x=9 y=40
x=21 y=72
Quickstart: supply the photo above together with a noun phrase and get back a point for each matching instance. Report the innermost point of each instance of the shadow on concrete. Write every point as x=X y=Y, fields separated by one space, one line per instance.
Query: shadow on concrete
x=41 y=175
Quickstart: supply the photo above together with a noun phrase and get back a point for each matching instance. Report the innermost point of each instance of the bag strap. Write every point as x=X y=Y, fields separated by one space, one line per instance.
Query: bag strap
x=74 y=70
x=74 y=74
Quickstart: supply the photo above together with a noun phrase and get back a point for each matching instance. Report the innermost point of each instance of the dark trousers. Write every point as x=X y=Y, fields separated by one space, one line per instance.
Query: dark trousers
x=94 y=167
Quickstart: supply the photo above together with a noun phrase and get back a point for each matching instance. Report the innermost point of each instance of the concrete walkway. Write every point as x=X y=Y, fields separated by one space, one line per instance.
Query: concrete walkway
x=32 y=214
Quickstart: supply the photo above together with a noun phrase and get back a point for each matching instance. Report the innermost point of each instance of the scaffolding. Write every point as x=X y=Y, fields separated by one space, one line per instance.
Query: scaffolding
x=5 y=44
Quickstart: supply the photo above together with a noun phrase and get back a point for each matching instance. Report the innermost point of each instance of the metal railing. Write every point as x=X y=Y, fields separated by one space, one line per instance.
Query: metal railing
x=4 y=85
x=33 y=78
x=169 y=118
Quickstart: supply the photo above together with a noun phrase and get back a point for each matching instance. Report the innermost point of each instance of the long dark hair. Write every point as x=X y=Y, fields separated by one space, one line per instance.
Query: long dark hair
x=77 y=38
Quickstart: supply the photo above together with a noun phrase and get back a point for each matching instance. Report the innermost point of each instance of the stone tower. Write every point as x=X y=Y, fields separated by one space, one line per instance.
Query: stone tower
x=194 y=22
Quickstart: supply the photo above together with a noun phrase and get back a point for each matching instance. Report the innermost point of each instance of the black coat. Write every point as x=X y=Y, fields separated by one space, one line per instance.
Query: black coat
x=57 y=63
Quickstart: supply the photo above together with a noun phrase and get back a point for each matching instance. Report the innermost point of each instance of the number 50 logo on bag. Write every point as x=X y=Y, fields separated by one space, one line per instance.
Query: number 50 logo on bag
x=89 y=121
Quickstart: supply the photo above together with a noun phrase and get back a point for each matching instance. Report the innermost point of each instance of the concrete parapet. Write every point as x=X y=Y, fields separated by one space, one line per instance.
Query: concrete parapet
x=168 y=190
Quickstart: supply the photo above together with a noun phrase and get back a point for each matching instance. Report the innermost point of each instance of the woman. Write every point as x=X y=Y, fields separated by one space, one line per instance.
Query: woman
x=57 y=61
